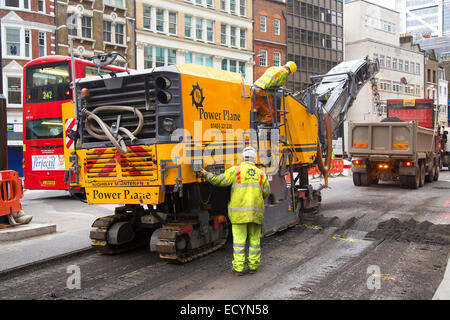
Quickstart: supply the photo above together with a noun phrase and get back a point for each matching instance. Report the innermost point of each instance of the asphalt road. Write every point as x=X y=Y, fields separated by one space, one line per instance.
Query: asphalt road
x=342 y=253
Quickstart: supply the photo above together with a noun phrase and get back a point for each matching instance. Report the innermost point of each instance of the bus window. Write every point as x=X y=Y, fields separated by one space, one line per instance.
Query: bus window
x=46 y=128
x=91 y=71
x=49 y=83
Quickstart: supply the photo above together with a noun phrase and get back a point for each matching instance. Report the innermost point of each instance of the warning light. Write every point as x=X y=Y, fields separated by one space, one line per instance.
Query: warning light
x=67 y=93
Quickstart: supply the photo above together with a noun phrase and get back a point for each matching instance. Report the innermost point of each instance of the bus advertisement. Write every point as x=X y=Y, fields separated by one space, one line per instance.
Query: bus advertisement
x=47 y=82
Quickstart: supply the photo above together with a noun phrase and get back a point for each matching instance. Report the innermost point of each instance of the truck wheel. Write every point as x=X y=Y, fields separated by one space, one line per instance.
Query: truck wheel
x=436 y=173
x=364 y=179
x=422 y=175
x=430 y=176
x=414 y=181
x=403 y=181
x=374 y=180
x=357 y=179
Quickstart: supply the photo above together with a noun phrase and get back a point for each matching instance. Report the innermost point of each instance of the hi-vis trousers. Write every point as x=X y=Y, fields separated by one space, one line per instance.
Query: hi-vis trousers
x=240 y=233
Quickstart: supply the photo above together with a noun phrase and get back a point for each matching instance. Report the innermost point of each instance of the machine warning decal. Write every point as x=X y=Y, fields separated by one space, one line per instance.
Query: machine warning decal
x=197 y=96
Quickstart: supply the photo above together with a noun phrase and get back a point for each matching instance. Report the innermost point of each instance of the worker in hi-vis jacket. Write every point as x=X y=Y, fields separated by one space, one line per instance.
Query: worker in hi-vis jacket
x=249 y=188
x=274 y=77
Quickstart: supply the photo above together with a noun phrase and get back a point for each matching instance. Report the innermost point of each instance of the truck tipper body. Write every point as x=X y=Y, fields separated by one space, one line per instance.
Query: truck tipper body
x=404 y=148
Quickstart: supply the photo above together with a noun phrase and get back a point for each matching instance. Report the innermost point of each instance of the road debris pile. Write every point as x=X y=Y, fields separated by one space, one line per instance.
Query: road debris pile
x=412 y=231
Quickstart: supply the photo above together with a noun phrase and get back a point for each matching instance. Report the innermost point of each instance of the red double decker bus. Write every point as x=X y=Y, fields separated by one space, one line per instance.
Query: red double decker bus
x=47 y=87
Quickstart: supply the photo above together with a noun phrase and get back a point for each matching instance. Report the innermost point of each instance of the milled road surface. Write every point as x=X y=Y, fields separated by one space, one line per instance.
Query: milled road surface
x=330 y=256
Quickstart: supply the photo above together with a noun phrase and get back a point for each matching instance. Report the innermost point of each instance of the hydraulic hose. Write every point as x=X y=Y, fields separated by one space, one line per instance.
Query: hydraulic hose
x=325 y=167
x=103 y=132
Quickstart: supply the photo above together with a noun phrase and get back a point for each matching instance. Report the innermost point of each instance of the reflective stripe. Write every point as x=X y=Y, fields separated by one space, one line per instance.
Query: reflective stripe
x=224 y=181
x=246 y=185
x=245 y=209
x=238 y=245
x=273 y=79
x=238 y=251
x=262 y=81
x=255 y=246
x=254 y=252
x=238 y=174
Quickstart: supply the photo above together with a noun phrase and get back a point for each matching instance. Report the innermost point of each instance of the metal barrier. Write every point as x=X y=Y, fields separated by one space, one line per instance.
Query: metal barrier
x=10 y=194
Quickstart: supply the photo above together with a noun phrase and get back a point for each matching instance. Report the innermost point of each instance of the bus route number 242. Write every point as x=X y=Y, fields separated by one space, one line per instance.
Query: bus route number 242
x=47 y=95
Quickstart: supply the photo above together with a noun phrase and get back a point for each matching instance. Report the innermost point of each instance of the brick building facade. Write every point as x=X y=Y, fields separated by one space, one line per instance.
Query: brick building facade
x=269 y=34
x=96 y=26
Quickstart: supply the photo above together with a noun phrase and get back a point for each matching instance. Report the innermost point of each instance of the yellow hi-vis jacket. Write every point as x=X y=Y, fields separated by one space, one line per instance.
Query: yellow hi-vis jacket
x=273 y=77
x=249 y=188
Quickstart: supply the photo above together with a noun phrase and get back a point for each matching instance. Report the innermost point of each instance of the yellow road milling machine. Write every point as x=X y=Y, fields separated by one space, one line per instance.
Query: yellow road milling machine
x=143 y=136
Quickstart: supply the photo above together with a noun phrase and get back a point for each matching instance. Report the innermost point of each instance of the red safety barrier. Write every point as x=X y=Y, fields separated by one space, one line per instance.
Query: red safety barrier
x=10 y=192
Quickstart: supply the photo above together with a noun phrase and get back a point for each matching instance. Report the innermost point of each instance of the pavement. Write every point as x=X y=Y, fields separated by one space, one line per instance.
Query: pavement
x=73 y=220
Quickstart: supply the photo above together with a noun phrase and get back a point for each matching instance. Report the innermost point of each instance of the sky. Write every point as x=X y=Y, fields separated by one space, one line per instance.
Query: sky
x=385 y=3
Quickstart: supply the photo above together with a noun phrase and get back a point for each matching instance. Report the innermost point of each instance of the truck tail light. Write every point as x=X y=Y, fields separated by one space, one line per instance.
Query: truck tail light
x=357 y=162
x=383 y=166
x=407 y=164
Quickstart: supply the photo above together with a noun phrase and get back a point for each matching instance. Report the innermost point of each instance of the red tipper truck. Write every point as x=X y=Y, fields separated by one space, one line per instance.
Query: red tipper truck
x=404 y=147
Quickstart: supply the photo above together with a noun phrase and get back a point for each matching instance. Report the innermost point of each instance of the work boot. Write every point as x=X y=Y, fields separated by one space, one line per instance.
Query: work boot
x=20 y=217
x=236 y=273
x=252 y=271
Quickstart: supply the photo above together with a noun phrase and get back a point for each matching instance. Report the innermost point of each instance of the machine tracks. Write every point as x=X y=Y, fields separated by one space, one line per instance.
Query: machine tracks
x=178 y=241
x=175 y=240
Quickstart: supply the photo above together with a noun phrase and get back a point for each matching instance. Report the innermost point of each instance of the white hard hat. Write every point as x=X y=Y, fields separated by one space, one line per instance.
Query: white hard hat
x=249 y=152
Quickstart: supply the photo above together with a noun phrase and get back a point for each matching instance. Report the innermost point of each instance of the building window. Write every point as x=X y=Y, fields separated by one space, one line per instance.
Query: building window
x=233 y=6
x=107 y=31
x=72 y=24
x=119 y=33
x=243 y=7
x=388 y=62
x=233 y=36
x=199 y=28
x=160 y=20
x=242 y=68
x=406 y=66
x=381 y=61
x=418 y=68
x=276 y=27
x=413 y=67
x=210 y=3
x=223 y=34
x=27 y=43
x=243 y=40
x=188 y=57
x=41 y=6
x=147 y=17
x=21 y=4
x=160 y=57
x=198 y=2
x=188 y=26
x=223 y=5
x=148 y=57
x=209 y=30
x=115 y=3
x=263 y=58
x=86 y=27
x=262 y=23
x=13 y=42
x=14 y=90
x=277 y=59
x=394 y=63
x=400 y=65
x=172 y=22
x=171 y=57
x=41 y=38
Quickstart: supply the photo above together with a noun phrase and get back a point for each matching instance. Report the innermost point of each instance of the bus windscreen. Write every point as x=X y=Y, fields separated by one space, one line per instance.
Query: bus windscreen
x=48 y=83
